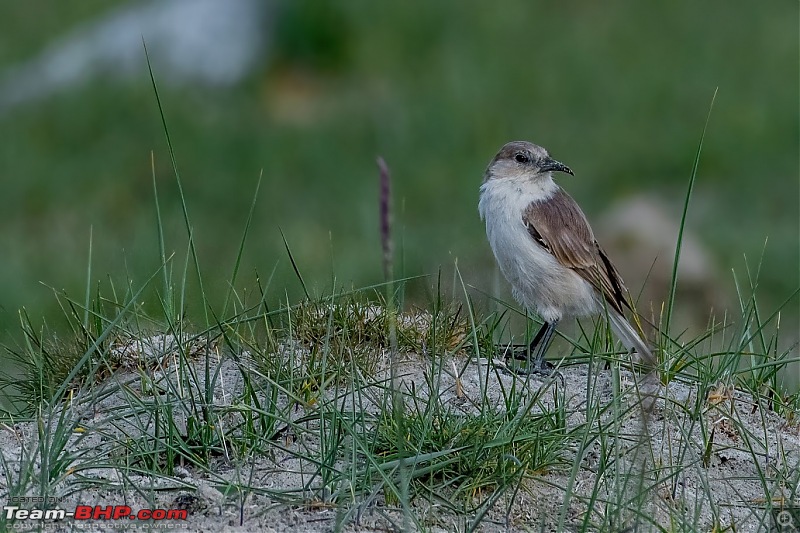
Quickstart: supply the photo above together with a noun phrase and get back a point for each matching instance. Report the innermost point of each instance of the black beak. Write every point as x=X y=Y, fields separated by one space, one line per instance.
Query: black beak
x=552 y=165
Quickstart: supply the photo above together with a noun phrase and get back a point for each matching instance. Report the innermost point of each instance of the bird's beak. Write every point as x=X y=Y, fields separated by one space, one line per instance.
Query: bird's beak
x=551 y=165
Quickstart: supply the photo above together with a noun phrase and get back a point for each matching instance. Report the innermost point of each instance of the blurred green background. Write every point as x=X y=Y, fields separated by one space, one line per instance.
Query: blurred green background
x=618 y=91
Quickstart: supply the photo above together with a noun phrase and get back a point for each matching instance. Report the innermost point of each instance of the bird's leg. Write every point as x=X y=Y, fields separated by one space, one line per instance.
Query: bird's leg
x=534 y=352
x=538 y=347
x=537 y=339
x=522 y=352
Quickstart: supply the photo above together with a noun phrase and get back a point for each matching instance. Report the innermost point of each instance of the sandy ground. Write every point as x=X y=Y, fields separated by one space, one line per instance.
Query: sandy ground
x=750 y=443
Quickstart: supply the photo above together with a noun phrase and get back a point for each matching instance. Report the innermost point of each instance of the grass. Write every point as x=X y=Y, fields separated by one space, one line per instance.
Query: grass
x=356 y=402
x=307 y=385
x=436 y=90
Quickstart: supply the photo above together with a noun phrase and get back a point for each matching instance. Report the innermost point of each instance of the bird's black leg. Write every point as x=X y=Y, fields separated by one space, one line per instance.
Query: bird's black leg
x=534 y=352
x=537 y=339
x=539 y=345
x=522 y=352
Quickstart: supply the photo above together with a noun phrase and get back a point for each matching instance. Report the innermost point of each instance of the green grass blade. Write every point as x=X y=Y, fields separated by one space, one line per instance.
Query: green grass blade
x=679 y=244
x=88 y=284
x=173 y=160
x=162 y=254
x=294 y=265
x=239 y=253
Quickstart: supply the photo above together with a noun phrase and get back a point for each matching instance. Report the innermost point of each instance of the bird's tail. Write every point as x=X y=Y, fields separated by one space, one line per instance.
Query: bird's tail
x=631 y=339
x=649 y=385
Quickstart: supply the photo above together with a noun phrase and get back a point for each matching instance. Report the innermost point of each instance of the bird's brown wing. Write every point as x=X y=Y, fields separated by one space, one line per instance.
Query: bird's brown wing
x=559 y=225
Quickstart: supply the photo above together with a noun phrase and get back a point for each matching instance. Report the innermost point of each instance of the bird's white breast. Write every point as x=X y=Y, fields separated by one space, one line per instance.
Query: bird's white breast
x=538 y=280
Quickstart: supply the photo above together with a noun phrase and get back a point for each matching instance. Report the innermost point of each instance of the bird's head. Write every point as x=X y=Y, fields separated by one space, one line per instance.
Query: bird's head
x=523 y=160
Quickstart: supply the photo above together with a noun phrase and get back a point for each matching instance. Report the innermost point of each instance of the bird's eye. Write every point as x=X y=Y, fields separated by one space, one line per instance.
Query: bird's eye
x=522 y=158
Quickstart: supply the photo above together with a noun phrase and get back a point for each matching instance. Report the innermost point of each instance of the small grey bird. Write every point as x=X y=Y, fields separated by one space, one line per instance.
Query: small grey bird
x=546 y=249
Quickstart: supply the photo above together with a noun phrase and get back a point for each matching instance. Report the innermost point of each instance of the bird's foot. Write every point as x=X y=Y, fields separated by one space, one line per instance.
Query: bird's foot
x=519 y=360
x=523 y=368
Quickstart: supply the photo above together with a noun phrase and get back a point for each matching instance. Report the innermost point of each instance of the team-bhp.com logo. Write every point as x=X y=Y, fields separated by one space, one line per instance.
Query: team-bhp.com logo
x=97 y=512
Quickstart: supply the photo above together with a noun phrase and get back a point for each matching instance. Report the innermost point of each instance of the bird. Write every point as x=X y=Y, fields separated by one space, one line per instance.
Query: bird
x=546 y=250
